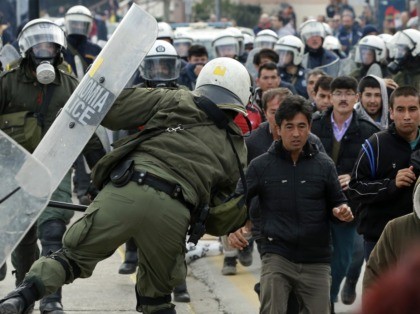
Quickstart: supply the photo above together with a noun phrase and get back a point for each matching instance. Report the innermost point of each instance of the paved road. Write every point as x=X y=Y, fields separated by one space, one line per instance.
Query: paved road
x=211 y=293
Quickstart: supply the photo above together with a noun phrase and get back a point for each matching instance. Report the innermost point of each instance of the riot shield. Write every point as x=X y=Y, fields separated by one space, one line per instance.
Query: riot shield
x=96 y=93
x=249 y=64
x=347 y=66
x=22 y=203
x=8 y=55
x=24 y=190
x=332 y=68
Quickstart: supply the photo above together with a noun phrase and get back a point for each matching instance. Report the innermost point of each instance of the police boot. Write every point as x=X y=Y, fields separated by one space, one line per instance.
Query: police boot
x=130 y=260
x=51 y=234
x=181 y=293
x=170 y=310
x=51 y=304
x=21 y=300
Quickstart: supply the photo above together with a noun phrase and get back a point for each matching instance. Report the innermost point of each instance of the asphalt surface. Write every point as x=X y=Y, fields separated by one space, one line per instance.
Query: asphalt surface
x=109 y=292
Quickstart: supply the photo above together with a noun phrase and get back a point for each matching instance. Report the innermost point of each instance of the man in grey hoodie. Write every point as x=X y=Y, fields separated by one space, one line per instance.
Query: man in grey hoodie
x=373 y=103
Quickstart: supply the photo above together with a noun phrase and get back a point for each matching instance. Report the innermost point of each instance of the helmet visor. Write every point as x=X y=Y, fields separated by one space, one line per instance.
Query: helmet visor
x=182 y=47
x=45 y=50
x=285 y=57
x=367 y=55
x=78 y=28
x=162 y=68
x=400 y=51
x=229 y=51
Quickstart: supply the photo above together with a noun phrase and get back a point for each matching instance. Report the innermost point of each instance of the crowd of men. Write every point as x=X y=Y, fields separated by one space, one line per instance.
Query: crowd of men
x=325 y=122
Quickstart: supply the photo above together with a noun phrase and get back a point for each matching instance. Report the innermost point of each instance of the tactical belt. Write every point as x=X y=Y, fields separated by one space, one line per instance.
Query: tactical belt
x=172 y=189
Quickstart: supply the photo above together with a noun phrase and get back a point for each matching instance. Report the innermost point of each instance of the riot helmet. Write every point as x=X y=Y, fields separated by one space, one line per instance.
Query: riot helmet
x=226 y=82
x=404 y=48
x=239 y=37
x=266 y=39
x=225 y=45
x=165 y=32
x=290 y=50
x=78 y=21
x=41 y=42
x=331 y=43
x=182 y=43
x=370 y=49
x=248 y=42
x=310 y=29
x=162 y=65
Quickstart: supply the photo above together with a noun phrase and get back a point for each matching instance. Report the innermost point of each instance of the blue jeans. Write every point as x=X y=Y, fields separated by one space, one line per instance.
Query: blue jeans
x=342 y=239
x=357 y=259
x=368 y=245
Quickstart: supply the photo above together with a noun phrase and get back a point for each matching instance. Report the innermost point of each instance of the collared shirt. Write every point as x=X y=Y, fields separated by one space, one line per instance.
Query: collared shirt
x=338 y=134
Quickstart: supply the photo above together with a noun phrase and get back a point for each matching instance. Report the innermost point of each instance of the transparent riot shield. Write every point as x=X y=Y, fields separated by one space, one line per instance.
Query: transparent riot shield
x=332 y=68
x=249 y=64
x=24 y=192
x=96 y=93
x=8 y=55
x=21 y=202
x=347 y=66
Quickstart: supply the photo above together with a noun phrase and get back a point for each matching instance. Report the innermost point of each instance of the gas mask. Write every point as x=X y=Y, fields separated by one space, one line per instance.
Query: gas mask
x=402 y=56
x=43 y=56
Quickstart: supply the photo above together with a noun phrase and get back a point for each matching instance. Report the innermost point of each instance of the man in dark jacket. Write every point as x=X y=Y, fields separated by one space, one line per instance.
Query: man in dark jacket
x=383 y=176
x=342 y=132
x=299 y=193
x=197 y=58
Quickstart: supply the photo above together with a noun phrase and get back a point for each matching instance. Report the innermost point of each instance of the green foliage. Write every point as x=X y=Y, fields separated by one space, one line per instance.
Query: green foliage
x=244 y=15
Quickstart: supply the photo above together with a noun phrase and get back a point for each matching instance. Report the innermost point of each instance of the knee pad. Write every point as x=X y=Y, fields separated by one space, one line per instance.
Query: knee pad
x=72 y=270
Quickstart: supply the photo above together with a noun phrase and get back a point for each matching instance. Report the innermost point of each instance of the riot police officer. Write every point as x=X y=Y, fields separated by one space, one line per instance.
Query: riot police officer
x=159 y=69
x=313 y=34
x=38 y=86
x=169 y=174
x=290 y=50
x=80 y=53
x=405 y=50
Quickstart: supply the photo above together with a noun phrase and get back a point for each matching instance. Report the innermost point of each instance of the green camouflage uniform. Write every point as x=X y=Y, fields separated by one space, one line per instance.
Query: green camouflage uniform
x=197 y=156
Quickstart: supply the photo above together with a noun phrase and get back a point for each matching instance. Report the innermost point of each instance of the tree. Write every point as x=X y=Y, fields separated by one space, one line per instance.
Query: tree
x=244 y=15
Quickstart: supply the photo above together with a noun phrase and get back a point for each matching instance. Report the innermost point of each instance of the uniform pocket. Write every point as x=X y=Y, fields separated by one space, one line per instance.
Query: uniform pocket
x=78 y=231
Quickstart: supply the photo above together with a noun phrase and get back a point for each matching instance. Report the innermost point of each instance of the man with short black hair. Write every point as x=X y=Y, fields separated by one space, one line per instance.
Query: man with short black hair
x=268 y=78
x=383 y=177
x=197 y=58
x=322 y=94
x=299 y=194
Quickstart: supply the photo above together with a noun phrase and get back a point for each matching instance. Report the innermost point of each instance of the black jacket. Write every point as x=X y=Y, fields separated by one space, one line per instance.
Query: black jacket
x=359 y=130
x=296 y=202
x=373 y=182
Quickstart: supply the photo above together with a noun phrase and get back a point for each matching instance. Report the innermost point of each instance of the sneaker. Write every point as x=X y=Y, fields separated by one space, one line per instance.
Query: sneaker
x=245 y=255
x=229 y=266
x=348 y=293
